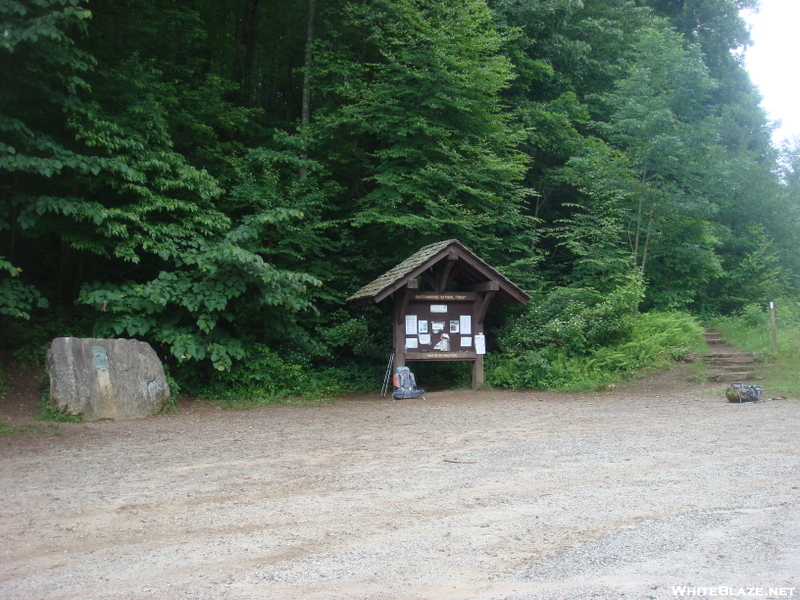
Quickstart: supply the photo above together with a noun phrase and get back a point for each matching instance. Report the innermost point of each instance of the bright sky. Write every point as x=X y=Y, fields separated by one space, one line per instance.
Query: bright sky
x=774 y=62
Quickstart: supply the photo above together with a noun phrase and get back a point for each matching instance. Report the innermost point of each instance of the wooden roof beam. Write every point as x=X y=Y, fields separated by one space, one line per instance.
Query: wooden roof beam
x=486 y=286
x=444 y=271
x=483 y=304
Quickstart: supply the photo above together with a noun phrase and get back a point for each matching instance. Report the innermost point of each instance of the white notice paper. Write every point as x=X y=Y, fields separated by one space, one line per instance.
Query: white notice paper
x=466 y=341
x=466 y=324
x=480 y=344
x=411 y=324
x=411 y=343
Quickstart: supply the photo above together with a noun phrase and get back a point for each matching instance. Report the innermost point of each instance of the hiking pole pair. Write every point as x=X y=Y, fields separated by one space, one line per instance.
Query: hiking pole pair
x=387 y=378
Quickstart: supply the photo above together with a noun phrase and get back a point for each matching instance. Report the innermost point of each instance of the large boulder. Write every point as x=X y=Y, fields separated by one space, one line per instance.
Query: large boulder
x=106 y=379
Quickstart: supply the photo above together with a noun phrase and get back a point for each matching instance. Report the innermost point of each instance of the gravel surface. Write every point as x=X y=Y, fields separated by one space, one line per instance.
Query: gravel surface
x=659 y=489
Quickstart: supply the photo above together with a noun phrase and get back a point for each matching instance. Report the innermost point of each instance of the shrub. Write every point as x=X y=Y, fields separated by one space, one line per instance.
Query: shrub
x=265 y=377
x=651 y=340
x=576 y=320
x=753 y=315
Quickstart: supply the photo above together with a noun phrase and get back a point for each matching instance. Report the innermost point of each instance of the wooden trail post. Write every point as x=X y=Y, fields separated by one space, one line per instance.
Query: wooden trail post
x=773 y=328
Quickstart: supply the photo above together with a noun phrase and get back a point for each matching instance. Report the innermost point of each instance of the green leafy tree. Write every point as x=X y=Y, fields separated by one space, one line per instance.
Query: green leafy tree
x=716 y=26
x=191 y=307
x=566 y=54
x=43 y=70
x=596 y=233
x=120 y=205
x=433 y=150
x=660 y=118
x=193 y=264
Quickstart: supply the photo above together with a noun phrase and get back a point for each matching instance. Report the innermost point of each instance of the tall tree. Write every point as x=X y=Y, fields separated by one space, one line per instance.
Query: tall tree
x=43 y=70
x=433 y=149
x=566 y=54
x=661 y=119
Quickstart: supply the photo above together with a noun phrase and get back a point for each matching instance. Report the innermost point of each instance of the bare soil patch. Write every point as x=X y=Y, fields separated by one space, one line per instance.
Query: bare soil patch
x=629 y=493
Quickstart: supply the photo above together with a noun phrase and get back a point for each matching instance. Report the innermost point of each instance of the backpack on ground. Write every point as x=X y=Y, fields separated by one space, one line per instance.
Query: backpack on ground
x=739 y=392
x=405 y=385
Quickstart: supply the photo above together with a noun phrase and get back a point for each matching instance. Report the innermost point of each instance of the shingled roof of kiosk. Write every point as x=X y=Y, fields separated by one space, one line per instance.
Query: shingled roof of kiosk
x=438 y=266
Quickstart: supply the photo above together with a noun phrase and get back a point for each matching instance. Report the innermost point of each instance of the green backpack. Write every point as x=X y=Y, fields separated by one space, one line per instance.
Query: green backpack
x=739 y=392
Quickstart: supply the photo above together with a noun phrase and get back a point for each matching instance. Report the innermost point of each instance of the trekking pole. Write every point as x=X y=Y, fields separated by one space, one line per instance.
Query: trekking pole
x=388 y=375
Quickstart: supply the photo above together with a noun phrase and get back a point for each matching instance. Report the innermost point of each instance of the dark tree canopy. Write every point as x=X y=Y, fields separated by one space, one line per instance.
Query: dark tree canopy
x=217 y=176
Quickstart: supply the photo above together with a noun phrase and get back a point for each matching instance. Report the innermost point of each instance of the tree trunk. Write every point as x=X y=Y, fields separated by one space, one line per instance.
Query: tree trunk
x=637 y=232
x=305 y=117
x=305 y=113
x=647 y=233
x=244 y=60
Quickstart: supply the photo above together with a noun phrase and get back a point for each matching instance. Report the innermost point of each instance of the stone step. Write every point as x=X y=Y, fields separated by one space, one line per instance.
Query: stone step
x=729 y=368
x=726 y=365
x=729 y=377
x=724 y=358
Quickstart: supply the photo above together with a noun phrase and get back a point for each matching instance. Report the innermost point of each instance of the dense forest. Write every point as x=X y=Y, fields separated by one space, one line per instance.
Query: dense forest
x=216 y=177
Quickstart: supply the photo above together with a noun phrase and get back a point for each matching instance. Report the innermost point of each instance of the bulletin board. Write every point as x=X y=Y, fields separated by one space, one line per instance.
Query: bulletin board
x=441 y=327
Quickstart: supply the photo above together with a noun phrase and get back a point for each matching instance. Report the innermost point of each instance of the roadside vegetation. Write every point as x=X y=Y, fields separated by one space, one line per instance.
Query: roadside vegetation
x=5 y=428
x=581 y=338
x=216 y=177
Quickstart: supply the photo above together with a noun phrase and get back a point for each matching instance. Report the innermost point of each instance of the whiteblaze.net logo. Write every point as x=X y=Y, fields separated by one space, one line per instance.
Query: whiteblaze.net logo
x=776 y=592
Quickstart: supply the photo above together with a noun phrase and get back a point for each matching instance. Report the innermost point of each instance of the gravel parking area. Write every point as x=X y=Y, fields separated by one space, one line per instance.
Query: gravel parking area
x=659 y=489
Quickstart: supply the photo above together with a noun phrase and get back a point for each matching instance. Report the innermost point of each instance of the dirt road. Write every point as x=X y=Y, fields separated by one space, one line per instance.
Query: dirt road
x=649 y=491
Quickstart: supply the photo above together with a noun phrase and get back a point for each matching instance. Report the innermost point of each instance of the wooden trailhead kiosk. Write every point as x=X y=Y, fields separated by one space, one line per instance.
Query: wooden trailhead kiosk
x=441 y=294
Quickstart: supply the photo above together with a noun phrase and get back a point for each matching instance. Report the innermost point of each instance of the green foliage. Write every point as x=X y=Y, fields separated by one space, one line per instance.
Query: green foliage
x=29 y=340
x=175 y=391
x=574 y=320
x=434 y=151
x=264 y=377
x=660 y=120
x=655 y=340
x=158 y=167
x=753 y=316
x=49 y=412
x=144 y=204
x=43 y=68
x=6 y=428
x=650 y=341
x=280 y=177
x=750 y=328
x=187 y=308
x=584 y=338
x=716 y=26
x=17 y=299
x=9 y=429
x=439 y=375
x=354 y=336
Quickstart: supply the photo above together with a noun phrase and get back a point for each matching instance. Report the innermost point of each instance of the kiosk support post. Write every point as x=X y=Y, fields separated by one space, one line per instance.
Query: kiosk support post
x=477 y=373
x=399 y=331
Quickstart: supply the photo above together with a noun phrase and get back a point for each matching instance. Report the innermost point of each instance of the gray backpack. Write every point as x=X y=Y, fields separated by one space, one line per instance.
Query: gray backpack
x=405 y=385
x=739 y=392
